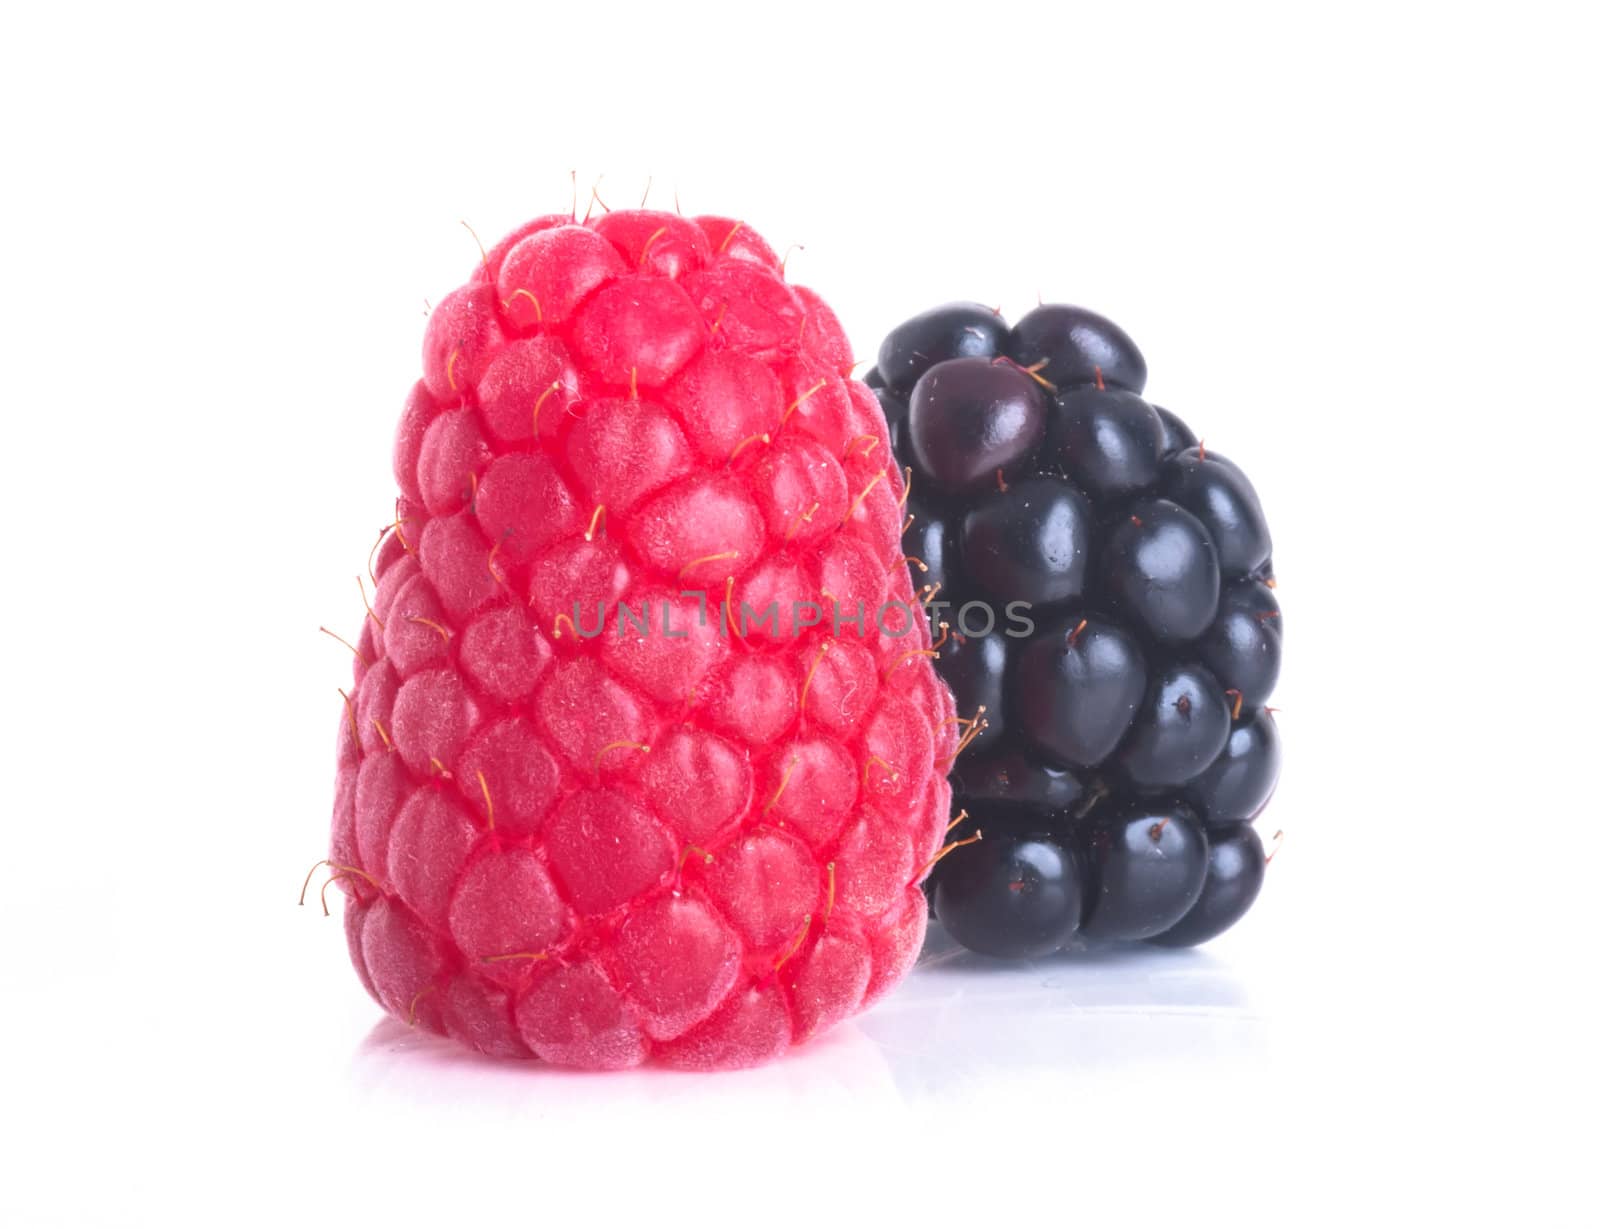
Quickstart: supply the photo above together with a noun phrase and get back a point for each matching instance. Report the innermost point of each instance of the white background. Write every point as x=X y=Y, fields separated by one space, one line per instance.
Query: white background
x=1357 y=246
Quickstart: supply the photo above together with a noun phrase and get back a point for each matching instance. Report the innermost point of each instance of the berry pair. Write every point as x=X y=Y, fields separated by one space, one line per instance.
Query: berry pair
x=1101 y=586
x=646 y=754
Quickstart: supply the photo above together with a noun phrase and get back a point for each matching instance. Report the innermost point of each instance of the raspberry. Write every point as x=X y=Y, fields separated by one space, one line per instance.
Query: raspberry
x=601 y=834
x=1120 y=743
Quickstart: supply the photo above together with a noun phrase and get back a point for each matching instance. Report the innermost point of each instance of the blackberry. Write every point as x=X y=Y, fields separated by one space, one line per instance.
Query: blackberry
x=1110 y=632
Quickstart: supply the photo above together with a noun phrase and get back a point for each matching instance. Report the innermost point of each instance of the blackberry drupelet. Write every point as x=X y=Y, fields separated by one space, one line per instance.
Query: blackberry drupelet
x=1119 y=744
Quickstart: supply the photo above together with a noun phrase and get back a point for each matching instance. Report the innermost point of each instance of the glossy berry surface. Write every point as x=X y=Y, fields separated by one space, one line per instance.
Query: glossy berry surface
x=970 y=418
x=593 y=805
x=956 y=330
x=1236 y=866
x=1107 y=440
x=1161 y=570
x=1146 y=870
x=1030 y=540
x=1012 y=896
x=1076 y=348
x=1122 y=718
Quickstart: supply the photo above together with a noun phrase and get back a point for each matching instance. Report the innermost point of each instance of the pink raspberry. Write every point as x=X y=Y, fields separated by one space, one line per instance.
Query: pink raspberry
x=692 y=837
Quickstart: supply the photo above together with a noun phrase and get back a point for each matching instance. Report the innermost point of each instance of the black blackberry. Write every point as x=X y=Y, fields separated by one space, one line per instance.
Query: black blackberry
x=1106 y=582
